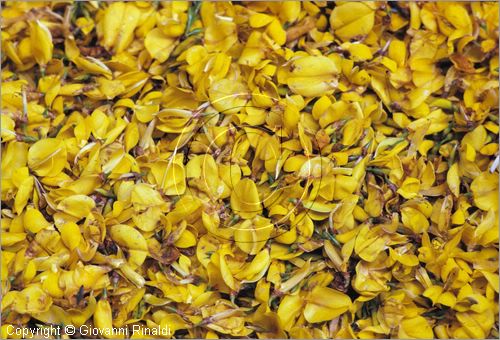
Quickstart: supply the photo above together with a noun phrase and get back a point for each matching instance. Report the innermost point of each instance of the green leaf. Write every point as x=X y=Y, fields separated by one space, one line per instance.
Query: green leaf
x=192 y=15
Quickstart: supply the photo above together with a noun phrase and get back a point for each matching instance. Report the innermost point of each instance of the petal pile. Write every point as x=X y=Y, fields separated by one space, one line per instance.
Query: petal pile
x=251 y=169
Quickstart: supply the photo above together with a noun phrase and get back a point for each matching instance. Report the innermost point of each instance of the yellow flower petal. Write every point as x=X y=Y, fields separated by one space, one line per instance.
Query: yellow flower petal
x=325 y=304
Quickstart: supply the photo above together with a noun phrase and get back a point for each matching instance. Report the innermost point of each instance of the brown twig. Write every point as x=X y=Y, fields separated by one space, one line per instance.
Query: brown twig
x=300 y=29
